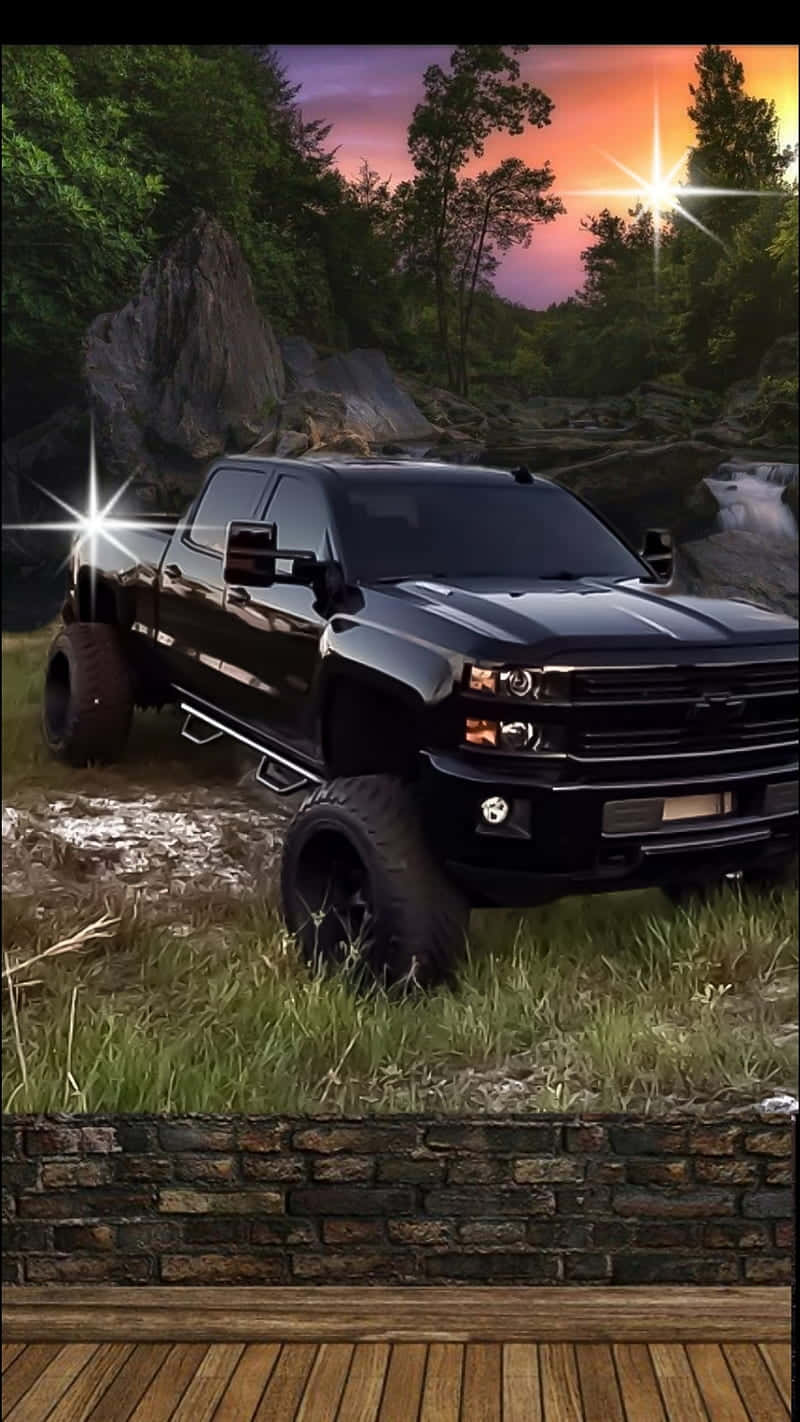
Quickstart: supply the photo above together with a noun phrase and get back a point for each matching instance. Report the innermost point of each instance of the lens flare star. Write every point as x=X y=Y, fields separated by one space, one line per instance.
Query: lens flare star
x=662 y=195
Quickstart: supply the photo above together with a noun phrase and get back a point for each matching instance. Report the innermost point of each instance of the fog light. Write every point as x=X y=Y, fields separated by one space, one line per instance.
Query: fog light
x=495 y=810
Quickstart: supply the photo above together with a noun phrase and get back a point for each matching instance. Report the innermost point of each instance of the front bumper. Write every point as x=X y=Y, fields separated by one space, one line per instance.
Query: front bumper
x=555 y=844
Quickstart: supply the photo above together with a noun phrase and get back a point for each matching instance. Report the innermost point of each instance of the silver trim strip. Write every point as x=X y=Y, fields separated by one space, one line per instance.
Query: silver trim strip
x=716 y=842
x=253 y=745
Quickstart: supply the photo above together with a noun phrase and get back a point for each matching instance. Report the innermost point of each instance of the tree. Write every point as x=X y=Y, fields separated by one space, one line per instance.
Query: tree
x=481 y=94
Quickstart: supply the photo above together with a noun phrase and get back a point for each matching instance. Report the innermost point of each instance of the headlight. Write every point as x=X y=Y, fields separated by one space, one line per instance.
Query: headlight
x=522 y=683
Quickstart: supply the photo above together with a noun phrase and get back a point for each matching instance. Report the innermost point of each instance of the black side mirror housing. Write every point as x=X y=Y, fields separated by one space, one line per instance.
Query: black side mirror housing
x=658 y=551
x=251 y=552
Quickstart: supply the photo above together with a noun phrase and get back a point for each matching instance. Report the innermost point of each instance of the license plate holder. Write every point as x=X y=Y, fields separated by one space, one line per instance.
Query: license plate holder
x=697 y=807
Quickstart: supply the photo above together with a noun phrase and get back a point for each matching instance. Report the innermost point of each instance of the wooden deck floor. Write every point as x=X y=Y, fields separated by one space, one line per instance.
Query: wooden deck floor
x=715 y=1371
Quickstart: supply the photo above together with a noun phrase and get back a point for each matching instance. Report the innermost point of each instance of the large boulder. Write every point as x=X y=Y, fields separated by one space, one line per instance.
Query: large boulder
x=740 y=564
x=639 y=486
x=347 y=402
x=189 y=368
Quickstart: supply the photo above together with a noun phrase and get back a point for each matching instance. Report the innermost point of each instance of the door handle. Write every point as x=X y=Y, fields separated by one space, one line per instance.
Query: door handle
x=238 y=597
x=172 y=571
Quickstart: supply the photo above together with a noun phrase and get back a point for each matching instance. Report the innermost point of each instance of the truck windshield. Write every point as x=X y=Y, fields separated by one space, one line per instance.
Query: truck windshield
x=472 y=530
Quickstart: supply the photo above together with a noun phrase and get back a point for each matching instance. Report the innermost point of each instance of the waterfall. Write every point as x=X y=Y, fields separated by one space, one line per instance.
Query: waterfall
x=750 y=496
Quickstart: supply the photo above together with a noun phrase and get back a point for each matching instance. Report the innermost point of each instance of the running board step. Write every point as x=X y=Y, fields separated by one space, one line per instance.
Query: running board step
x=281 y=779
x=198 y=731
x=279 y=774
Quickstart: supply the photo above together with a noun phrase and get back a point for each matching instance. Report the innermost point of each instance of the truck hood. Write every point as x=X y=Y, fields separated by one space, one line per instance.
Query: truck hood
x=592 y=614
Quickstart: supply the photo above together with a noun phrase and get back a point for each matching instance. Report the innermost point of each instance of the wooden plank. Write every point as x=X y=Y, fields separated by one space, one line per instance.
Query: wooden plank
x=320 y=1401
x=754 y=1381
x=135 y=1375
x=52 y=1383
x=717 y=1388
x=24 y=1370
x=90 y=1384
x=679 y=1390
x=247 y=1385
x=10 y=1352
x=481 y=1399
x=162 y=1395
x=598 y=1383
x=522 y=1395
x=364 y=1387
x=199 y=1402
x=405 y=1375
x=561 y=1393
x=637 y=1382
x=441 y=1394
x=778 y=1358
x=286 y=1384
x=326 y=1314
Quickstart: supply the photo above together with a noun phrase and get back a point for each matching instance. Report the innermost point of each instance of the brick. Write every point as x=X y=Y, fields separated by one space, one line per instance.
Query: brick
x=21 y=1174
x=12 y=1143
x=784 y=1234
x=532 y=1170
x=690 y=1204
x=88 y=1269
x=613 y=1234
x=212 y=1168
x=492 y=1232
x=340 y=1200
x=481 y=1203
x=229 y=1202
x=12 y=1269
x=493 y=1140
x=560 y=1234
x=673 y=1269
x=135 y=1138
x=576 y=1199
x=420 y=1231
x=353 y=1231
x=778 y=1173
x=411 y=1172
x=477 y=1170
x=768 y=1271
x=726 y=1172
x=583 y=1139
x=99 y=1140
x=223 y=1269
x=206 y=1229
x=69 y=1174
x=356 y=1140
x=344 y=1167
x=81 y=1206
x=659 y=1172
x=262 y=1137
x=344 y=1267
x=53 y=1140
x=710 y=1139
x=26 y=1238
x=769 y=1142
x=150 y=1236
x=492 y=1266
x=605 y=1171
x=668 y=1234
x=9 y=1206
x=587 y=1266
x=649 y=1140
x=767 y=1204
x=736 y=1234
x=196 y=1135
x=283 y=1231
x=278 y=1168
x=69 y=1238
x=143 y=1167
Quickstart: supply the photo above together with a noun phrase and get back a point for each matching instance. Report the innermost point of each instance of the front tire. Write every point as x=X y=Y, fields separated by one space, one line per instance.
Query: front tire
x=88 y=695
x=362 y=892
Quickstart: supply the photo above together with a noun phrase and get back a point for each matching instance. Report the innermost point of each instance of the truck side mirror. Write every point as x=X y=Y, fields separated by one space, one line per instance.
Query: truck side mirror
x=658 y=550
x=250 y=553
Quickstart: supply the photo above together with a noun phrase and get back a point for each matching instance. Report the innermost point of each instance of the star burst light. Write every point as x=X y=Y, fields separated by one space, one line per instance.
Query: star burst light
x=662 y=195
x=89 y=528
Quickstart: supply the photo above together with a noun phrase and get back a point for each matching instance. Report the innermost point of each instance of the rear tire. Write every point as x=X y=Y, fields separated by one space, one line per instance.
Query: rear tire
x=361 y=891
x=88 y=695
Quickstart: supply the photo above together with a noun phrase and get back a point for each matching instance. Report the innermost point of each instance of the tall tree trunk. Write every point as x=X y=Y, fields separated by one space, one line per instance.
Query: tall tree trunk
x=471 y=298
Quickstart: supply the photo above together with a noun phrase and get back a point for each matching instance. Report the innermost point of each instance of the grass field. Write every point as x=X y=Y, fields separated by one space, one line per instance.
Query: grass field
x=193 y=998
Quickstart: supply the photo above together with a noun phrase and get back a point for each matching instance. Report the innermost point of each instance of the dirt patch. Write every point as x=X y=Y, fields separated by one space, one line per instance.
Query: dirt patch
x=184 y=843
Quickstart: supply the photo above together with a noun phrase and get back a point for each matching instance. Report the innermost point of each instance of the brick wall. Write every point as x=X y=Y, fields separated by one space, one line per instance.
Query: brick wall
x=423 y=1200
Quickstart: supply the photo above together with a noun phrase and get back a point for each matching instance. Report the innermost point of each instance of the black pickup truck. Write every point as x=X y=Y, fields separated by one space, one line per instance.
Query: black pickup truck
x=491 y=697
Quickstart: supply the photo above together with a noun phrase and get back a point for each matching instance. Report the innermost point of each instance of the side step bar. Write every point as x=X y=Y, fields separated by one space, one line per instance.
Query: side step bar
x=279 y=774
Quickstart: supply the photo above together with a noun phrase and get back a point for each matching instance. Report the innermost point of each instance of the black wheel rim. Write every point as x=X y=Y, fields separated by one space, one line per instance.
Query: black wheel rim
x=335 y=900
x=57 y=696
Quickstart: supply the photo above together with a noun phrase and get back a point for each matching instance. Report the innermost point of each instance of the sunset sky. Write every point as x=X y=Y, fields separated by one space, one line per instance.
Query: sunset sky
x=603 y=96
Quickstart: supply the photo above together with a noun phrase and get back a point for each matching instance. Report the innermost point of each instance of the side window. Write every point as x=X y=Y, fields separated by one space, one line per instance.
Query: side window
x=299 y=511
x=231 y=494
